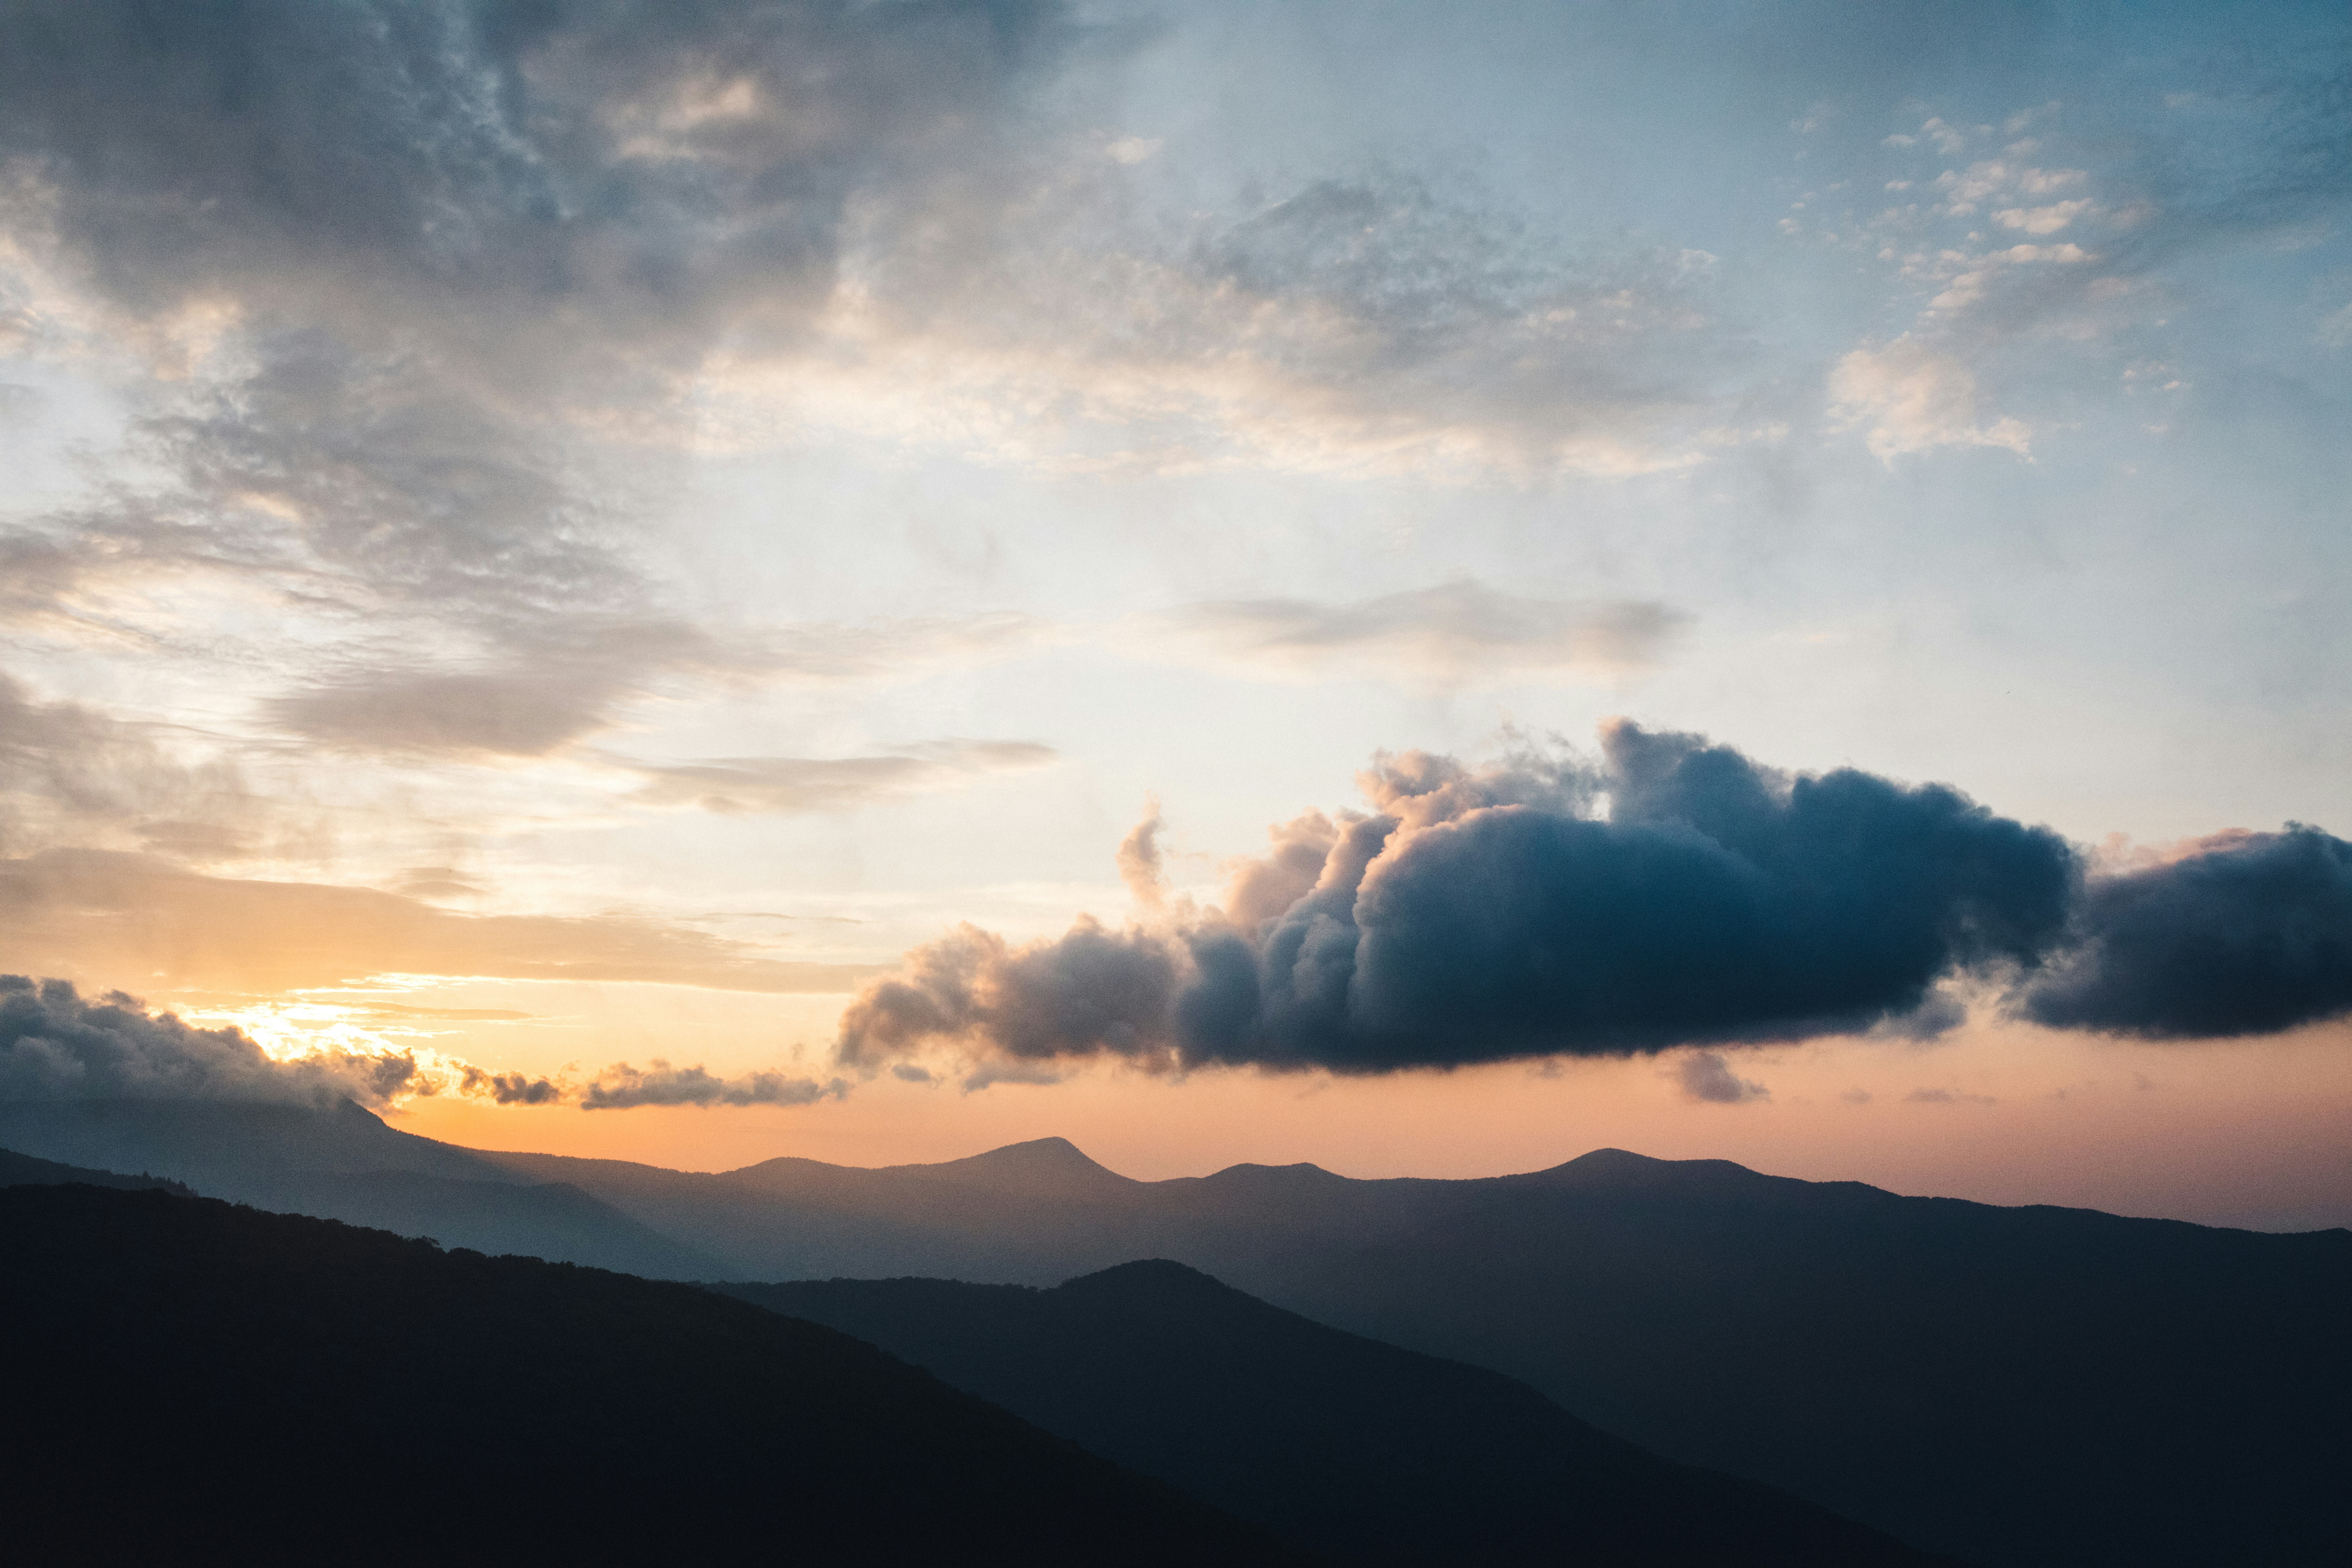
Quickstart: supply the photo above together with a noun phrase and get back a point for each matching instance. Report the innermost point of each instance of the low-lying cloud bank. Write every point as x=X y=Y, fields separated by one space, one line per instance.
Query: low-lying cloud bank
x=56 y=1044
x=620 y=1086
x=1674 y=893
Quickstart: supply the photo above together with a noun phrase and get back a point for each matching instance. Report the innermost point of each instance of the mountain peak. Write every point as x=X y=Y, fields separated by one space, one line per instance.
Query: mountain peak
x=1620 y=1169
x=1150 y=1273
x=1039 y=1164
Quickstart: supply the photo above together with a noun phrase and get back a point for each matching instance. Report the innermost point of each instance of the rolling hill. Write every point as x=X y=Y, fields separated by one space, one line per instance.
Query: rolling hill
x=1381 y=1456
x=214 y=1384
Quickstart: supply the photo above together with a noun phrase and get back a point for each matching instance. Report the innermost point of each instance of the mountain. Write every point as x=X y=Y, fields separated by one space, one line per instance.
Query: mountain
x=24 y=1171
x=215 y=1384
x=219 y=1145
x=1381 y=1456
x=2016 y=1387
x=342 y=1162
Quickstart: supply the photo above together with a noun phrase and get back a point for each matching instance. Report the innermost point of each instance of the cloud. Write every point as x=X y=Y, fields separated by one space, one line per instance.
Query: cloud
x=514 y=713
x=605 y=216
x=1365 y=324
x=621 y=1087
x=2047 y=219
x=1139 y=859
x=1454 y=632
x=1916 y=398
x=1706 y=1077
x=1674 y=893
x=405 y=277
x=55 y=1045
x=522 y=185
x=1490 y=914
x=738 y=785
x=2246 y=934
x=69 y=771
x=511 y=1088
x=97 y=911
x=556 y=682
x=2262 y=152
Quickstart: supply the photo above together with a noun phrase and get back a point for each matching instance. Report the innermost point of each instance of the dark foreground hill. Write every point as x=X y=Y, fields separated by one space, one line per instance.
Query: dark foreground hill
x=2020 y=1387
x=192 y=1382
x=1378 y=1456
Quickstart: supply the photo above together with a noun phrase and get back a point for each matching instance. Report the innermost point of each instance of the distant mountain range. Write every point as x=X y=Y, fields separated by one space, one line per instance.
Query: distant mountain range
x=196 y=1383
x=2010 y=1387
x=1382 y=1458
x=345 y=1164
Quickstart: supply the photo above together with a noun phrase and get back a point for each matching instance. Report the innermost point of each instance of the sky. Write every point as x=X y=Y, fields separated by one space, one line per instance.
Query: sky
x=1420 y=588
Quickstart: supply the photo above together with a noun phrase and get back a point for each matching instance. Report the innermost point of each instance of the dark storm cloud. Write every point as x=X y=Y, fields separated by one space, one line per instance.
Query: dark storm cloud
x=56 y=1044
x=2249 y=934
x=1490 y=914
x=622 y=1087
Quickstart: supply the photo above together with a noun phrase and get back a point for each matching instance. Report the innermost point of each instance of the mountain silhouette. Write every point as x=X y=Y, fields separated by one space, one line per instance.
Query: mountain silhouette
x=343 y=1163
x=1381 y=1456
x=24 y=1171
x=2016 y=1387
x=2020 y=1387
x=200 y=1382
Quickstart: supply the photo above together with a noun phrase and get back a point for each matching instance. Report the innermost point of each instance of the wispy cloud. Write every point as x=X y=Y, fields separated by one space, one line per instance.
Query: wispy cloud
x=103 y=913
x=736 y=785
x=1448 y=635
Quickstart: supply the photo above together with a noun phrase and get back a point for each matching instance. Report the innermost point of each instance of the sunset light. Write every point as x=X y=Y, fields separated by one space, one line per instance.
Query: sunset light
x=1653 y=702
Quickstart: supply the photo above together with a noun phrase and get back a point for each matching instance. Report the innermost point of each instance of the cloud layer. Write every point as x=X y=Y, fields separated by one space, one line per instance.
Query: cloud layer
x=56 y=1044
x=1675 y=894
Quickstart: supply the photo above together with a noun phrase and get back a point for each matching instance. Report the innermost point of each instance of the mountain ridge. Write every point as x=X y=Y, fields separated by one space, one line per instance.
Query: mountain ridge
x=2022 y=1388
x=1381 y=1456
x=221 y=1384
